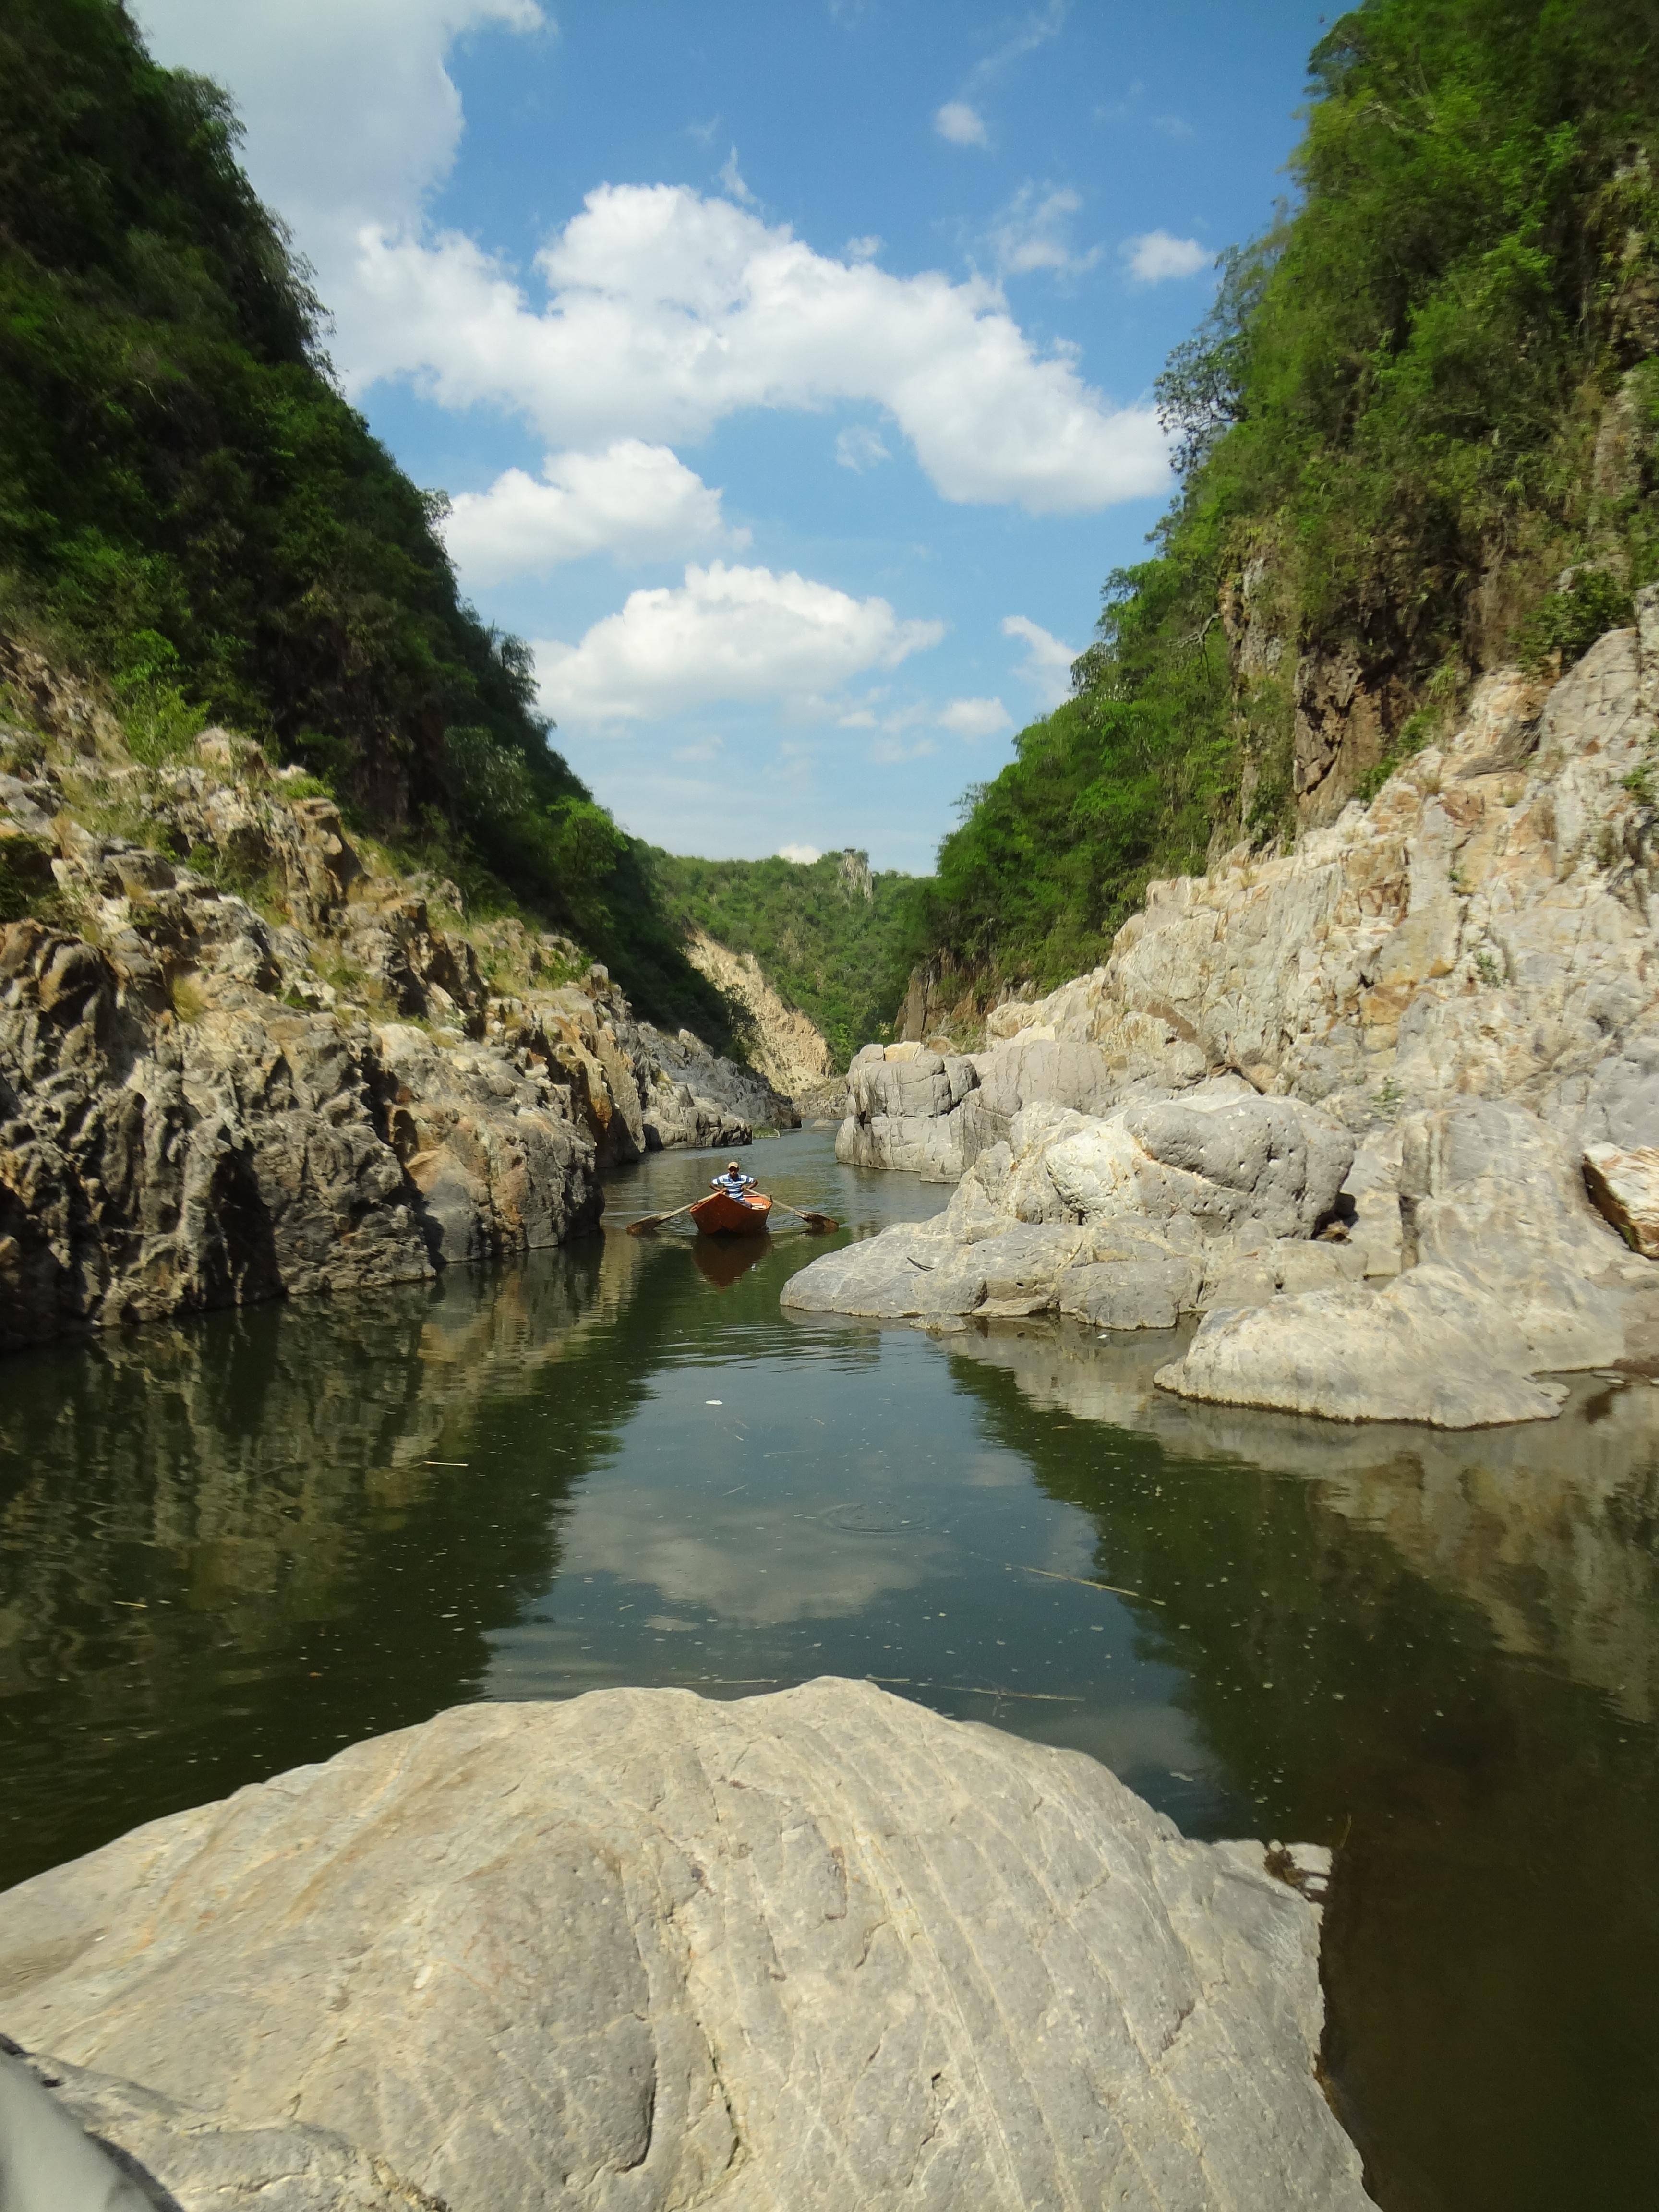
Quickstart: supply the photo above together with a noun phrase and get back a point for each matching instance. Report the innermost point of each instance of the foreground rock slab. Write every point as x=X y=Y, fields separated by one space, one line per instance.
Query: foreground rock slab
x=815 y=1950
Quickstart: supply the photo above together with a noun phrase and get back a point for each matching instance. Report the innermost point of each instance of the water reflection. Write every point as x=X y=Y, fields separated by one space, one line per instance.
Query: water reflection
x=1442 y=1653
x=227 y=1548
x=722 y=1261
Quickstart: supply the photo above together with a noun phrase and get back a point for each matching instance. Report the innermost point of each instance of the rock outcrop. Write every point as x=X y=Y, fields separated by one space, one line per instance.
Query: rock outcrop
x=1163 y=1207
x=1462 y=977
x=793 y=1054
x=931 y=1113
x=240 y=1058
x=1484 y=1268
x=806 y=1950
x=1484 y=928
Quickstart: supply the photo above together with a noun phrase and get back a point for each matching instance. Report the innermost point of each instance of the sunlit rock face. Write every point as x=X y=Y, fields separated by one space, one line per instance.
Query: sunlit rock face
x=1485 y=928
x=1458 y=982
x=803 y=1951
x=280 y=1067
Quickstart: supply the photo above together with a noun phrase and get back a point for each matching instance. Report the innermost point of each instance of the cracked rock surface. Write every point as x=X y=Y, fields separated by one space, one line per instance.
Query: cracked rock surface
x=240 y=1058
x=793 y=1954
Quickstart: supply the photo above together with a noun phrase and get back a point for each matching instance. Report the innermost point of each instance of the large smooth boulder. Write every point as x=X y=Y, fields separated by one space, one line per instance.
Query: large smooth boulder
x=1510 y=1274
x=1224 y=1160
x=640 y=1950
x=1428 y=1347
x=1128 y=1221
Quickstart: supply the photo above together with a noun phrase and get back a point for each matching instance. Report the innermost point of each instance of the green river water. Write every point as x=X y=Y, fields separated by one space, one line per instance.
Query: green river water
x=230 y=1547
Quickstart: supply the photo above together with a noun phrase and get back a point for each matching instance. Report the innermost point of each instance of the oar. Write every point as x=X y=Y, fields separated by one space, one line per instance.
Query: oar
x=656 y=1221
x=820 y=1222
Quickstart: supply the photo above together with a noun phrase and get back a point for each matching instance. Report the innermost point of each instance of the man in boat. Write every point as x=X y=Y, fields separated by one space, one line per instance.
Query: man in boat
x=734 y=1183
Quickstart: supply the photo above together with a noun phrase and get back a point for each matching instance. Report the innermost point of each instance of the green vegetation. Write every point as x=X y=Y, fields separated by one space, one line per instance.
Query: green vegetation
x=831 y=938
x=190 y=511
x=1387 y=431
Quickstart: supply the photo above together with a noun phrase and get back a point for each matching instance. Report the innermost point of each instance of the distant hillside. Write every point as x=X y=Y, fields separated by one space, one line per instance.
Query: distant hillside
x=1418 y=437
x=190 y=510
x=831 y=936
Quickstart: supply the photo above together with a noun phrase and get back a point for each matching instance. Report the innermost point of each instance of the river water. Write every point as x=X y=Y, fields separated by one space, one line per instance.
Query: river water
x=230 y=1547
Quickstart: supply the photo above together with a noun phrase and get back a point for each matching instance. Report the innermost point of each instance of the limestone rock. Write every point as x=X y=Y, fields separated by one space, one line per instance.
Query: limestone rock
x=1625 y=1187
x=1427 y=1347
x=806 y=1951
x=932 y=1116
x=1224 y=1160
x=1484 y=928
x=1127 y=1220
x=1510 y=1274
x=793 y=1054
x=1488 y=1189
x=73 y=2141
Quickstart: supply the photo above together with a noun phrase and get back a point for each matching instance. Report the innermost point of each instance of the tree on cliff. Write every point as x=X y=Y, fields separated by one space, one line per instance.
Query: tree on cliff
x=189 y=510
x=1387 y=430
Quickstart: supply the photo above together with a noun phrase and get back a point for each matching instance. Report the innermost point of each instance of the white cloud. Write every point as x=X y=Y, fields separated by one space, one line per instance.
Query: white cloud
x=962 y=125
x=732 y=182
x=636 y=502
x=859 y=447
x=803 y=855
x=1030 y=234
x=670 y=311
x=975 y=718
x=666 y=312
x=351 y=115
x=725 y=634
x=863 y=249
x=699 y=753
x=1156 y=256
x=892 y=752
x=1048 y=664
x=1036 y=31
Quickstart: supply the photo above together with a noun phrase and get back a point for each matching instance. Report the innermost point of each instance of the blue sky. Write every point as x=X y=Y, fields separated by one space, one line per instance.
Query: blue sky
x=788 y=365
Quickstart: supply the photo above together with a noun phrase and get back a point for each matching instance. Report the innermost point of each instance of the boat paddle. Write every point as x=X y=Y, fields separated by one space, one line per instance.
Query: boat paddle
x=656 y=1221
x=821 y=1223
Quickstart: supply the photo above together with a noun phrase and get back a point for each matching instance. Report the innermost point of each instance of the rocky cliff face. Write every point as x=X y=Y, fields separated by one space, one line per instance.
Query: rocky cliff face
x=787 y=1050
x=240 y=1057
x=1460 y=981
x=810 y=1951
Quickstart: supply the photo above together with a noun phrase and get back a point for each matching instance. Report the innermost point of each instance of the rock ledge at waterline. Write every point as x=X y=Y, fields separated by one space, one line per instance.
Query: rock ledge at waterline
x=644 y=1950
x=1479 y=1267
x=1459 y=983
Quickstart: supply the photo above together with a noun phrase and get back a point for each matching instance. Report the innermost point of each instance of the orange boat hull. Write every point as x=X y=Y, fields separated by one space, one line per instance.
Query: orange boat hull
x=720 y=1211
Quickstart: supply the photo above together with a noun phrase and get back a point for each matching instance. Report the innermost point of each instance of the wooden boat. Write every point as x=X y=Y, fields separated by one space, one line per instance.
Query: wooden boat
x=721 y=1213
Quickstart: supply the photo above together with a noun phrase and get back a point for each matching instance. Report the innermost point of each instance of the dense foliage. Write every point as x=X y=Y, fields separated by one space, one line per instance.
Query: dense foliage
x=189 y=509
x=1385 y=430
x=830 y=937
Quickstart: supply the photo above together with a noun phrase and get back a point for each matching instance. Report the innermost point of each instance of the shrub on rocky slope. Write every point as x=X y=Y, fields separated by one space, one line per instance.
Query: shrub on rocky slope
x=190 y=512
x=1420 y=436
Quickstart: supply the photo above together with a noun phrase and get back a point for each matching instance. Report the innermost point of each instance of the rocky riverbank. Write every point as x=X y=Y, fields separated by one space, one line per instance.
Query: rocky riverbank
x=243 y=1056
x=1441 y=1013
x=809 y=1950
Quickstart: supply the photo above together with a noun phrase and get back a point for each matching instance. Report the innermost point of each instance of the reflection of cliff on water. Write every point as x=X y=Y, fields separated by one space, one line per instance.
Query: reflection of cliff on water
x=229 y=1545
x=1439 y=1652
x=1551 y=1527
